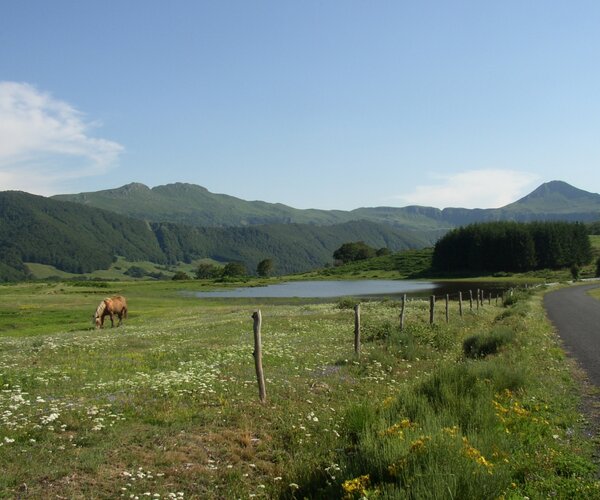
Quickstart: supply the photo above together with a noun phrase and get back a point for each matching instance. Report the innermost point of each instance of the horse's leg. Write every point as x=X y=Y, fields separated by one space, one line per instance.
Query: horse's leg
x=120 y=314
x=112 y=320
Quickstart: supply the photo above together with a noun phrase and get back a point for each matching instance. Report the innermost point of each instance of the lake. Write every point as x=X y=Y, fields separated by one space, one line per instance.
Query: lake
x=352 y=288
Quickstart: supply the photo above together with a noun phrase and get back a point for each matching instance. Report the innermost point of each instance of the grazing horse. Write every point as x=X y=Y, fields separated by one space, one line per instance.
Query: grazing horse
x=109 y=307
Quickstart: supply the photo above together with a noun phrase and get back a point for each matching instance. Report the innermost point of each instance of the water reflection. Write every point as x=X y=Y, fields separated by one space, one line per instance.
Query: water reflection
x=355 y=288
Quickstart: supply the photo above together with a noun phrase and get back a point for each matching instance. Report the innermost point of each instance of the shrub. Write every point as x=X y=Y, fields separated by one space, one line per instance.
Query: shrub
x=575 y=272
x=234 y=270
x=481 y=345
x=347 y=303
x=180 y=275
x=135 y=272
x=207 y=271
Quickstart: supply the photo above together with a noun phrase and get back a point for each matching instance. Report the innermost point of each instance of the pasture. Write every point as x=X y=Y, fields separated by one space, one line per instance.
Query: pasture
x=166 y=406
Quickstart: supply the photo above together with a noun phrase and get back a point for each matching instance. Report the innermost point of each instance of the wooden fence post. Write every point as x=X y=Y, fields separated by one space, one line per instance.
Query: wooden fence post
x=490 y=299
x=447 y=311
x=477 y=297
x=357 y=329
x=471 y=300
x=460 y=304
x=402 y=312
x=431 y=309
x=262 y=392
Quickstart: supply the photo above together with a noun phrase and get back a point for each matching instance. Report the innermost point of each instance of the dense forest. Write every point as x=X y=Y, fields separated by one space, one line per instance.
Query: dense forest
x=70 y=237
x=513 y=246
x=80 y=239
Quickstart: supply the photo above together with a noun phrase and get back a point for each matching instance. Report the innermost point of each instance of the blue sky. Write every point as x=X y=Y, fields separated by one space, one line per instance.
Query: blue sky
x=324 y=104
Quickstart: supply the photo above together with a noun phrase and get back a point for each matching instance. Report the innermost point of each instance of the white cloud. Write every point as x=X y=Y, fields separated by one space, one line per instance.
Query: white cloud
x=45 y=141
x=485 y=188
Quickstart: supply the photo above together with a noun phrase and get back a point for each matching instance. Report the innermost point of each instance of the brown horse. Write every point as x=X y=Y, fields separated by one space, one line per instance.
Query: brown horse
x=109 y=307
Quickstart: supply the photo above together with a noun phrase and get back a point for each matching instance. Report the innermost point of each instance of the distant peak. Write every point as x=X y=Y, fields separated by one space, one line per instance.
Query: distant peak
x=180 y=186
x=134 y=186
x=558 y=187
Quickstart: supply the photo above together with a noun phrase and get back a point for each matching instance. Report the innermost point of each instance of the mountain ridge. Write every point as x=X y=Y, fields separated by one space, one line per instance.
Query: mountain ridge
x=195 y=205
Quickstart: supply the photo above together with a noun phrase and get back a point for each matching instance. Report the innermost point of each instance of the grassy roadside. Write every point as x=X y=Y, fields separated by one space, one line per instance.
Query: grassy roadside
x=167 y=405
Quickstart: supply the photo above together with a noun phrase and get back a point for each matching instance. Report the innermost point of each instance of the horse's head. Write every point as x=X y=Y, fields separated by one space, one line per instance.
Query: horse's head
x=96 y=320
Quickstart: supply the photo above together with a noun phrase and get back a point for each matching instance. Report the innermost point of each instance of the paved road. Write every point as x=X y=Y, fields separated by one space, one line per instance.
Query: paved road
x=576 y=316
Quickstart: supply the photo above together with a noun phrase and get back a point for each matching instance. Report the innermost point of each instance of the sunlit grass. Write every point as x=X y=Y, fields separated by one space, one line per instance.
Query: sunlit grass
x=167 y=405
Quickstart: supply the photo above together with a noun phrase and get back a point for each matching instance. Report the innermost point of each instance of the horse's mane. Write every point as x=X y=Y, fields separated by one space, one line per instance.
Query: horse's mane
x=101 y=308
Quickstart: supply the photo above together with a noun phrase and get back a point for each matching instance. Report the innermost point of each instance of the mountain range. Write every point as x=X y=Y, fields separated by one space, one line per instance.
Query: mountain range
x=184 y=222
x=194 y=205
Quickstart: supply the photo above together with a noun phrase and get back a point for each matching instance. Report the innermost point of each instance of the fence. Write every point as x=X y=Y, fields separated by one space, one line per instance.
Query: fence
x=458 y=297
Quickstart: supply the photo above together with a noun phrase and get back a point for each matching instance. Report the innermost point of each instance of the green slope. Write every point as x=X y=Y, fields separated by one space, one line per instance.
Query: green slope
x=293 y=247
x=80 y=239
x=68 y=236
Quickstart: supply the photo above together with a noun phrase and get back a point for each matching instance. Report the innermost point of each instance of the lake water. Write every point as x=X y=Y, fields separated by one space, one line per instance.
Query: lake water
x=350 y=288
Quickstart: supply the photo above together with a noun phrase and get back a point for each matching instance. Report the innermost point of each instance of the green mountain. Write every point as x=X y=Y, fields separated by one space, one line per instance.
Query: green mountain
x=557 y=198
x=81 y=239
x=195 y=205
x=68 y=236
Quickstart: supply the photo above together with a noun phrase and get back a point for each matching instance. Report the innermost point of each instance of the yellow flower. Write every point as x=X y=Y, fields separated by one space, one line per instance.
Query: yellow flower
x=397 y=428
x=476 y=455
x=387 y=402
x=419 y=444
x=357 y=485
x=451 y=431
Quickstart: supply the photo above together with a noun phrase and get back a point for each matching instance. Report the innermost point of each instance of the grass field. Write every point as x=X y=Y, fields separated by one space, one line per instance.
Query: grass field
x=117 y=271
x=167 y=405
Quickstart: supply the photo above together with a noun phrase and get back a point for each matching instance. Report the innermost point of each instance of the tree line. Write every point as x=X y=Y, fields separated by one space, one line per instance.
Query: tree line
x=513 y=247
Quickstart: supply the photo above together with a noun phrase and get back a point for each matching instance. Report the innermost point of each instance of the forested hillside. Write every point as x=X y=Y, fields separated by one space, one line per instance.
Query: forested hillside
x=68 y=236
x=293 y=247
x=81 y=239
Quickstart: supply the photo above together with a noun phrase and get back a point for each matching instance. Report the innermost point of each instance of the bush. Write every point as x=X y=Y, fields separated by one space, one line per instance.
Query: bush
x=575 y=272
x=180 y=275
x=207 y=271
x=135 y=272
x=482 y=345
x=347 y=303
x=234 y=270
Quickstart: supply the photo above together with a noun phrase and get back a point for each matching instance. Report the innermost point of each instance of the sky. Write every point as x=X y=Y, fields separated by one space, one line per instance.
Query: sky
x=332 y=104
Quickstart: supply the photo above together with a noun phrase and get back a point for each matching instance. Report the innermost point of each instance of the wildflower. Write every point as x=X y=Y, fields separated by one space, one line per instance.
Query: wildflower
x=357 y=485
x=419 y=444
x=476 y=455
x=388 y=401
x=451 y=431
x=397 y=428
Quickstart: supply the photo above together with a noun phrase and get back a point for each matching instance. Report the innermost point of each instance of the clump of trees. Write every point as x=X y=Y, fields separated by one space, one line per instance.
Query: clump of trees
x=180 y=276
x=206 y=271
x=357 y=250
x=513 y=246
x=229 y=270
x=264 y=268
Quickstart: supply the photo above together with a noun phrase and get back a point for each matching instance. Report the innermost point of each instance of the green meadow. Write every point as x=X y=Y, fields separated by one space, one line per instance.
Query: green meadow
x=167 y=406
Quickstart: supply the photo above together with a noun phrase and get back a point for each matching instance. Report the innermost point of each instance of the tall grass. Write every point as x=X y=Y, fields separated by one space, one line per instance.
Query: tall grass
x=167 y=404
x=476 y=428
